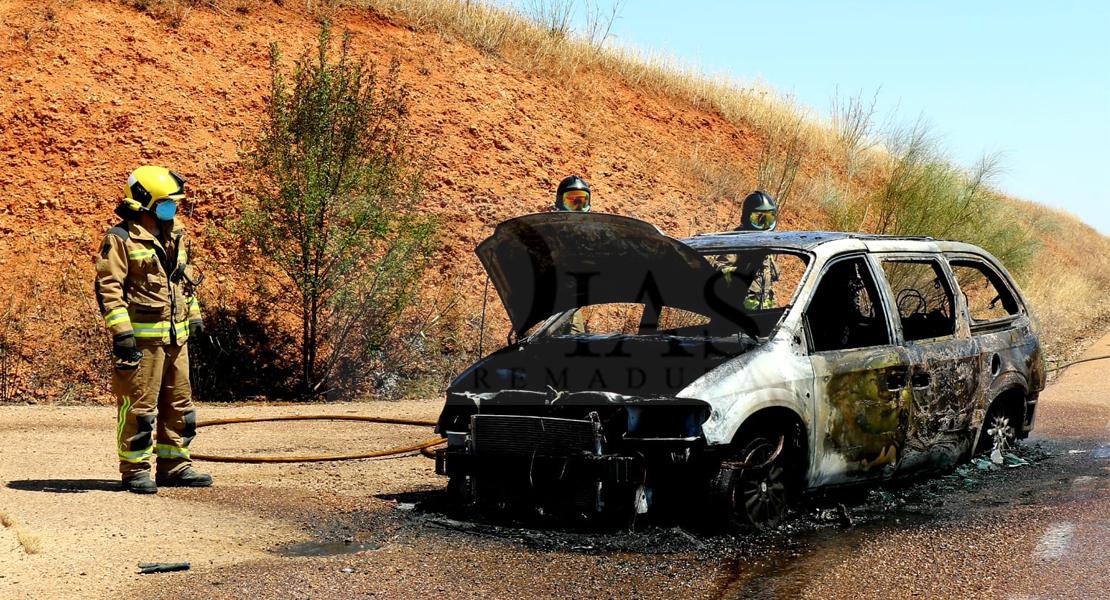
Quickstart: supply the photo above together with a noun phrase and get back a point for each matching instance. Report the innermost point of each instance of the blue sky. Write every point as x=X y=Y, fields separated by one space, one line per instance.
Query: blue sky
x=1028 y=79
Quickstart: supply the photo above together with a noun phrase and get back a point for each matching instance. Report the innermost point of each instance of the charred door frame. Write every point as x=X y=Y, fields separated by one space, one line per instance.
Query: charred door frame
x=851 y=387
x=944 y=393
x=1006 y=362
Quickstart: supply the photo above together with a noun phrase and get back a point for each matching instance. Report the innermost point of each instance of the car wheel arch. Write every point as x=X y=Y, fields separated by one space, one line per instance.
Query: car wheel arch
x=730 y=418
x=775 y=421
x=1003 y=383
x=1010 y=400
x=776 y=434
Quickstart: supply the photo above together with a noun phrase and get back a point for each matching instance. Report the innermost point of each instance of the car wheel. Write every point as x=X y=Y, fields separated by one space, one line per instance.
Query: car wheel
x=754 y=485
x=998 y=431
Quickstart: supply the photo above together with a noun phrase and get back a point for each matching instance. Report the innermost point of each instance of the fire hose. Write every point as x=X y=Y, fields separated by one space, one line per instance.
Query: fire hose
x=422 y=447
x=1076 y=362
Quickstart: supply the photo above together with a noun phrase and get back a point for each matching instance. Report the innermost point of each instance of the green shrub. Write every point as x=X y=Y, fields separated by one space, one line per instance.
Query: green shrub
x=921 y=192
x=331 y=182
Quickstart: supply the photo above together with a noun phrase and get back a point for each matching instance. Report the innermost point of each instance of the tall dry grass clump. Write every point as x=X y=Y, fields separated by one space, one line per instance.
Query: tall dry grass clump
x=541 y=40
x=914 y=190
x=1068 y=282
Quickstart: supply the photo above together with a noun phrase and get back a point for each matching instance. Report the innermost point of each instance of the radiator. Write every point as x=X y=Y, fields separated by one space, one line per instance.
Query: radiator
x=517 y=435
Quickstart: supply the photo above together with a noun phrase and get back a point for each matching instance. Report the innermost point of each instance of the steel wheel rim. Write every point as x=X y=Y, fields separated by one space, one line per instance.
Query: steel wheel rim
x=1001 y=433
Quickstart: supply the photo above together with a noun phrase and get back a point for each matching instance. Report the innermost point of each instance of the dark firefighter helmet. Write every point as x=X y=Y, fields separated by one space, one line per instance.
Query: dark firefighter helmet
x=758 y=213
x=573 y=195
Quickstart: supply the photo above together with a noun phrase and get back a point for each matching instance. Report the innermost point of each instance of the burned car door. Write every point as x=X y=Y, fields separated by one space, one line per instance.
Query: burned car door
x=1010 y=359
x=860 y=378
x=943 y=361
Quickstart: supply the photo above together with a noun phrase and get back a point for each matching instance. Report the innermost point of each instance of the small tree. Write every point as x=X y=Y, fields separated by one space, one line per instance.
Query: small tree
x=331 y=185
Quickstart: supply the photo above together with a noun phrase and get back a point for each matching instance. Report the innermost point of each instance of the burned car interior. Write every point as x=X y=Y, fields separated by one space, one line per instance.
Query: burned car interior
x=843 y=312
x=923 y=299
x=731 y=372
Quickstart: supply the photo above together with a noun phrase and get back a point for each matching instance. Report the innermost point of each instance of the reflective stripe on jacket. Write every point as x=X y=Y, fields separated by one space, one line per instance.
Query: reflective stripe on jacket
x=134 y=288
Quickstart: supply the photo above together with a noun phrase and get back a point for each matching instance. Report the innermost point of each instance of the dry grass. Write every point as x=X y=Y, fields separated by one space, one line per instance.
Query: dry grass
x=1068 y=282
x=6 y=519
x=31 y=542
x=534 y=45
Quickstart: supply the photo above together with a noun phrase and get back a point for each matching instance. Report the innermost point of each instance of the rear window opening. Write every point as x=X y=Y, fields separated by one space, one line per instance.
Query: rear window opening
x=923 y=299
x=989 y=300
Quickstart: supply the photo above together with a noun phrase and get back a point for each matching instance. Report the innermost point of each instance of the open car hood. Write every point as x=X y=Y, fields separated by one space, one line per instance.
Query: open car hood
x=546 y=263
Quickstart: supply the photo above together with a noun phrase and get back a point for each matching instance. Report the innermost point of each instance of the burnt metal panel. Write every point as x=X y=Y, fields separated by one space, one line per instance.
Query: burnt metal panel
x=733 y=240
x=798 y=240
x=546 y=263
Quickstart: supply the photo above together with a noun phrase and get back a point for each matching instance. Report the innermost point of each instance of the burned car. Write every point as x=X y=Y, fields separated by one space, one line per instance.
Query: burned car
x=732 y=372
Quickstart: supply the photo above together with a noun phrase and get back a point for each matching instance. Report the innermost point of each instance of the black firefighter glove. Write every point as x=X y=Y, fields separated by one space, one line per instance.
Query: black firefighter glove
x=196 y=327
x=124 y=348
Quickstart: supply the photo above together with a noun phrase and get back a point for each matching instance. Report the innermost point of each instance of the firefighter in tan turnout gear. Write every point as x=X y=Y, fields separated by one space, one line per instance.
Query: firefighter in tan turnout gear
x=148 y=304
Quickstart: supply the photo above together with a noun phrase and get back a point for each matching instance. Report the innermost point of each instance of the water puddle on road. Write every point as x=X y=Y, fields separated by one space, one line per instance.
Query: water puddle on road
x=784 y=572
x=326 y=548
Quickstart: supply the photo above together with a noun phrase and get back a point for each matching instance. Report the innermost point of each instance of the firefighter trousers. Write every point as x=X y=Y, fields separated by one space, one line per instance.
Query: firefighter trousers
x=156 y=393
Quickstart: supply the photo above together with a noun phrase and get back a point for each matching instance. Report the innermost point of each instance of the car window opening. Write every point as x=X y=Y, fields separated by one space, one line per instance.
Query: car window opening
x=843 y=313
x=988 y=298
x=746 y=297
x=923 y=298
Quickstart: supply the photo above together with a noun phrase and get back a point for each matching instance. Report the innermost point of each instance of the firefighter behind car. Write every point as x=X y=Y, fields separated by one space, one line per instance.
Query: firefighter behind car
x=758 y=212
x=573 y=195
x=149 y=306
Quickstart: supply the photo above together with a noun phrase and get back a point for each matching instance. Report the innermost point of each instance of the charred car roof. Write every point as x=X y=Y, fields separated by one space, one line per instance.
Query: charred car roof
x=810 y=241
x=798 y=240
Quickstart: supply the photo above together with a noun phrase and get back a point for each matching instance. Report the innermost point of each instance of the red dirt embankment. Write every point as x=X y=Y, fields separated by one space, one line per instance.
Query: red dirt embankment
x=92 y=90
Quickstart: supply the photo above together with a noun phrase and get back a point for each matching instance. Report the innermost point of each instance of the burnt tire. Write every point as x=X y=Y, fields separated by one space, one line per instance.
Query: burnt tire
x=997 y=430
x=757 y=493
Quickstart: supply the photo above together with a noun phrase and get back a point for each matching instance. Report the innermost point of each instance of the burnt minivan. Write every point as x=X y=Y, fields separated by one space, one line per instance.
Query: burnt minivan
x=735 y=371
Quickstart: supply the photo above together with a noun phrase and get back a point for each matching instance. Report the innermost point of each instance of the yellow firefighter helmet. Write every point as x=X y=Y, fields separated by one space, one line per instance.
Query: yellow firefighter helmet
x=148 y=184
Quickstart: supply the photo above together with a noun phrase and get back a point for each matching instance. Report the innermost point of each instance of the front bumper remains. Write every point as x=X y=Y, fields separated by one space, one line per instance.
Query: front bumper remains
x=538 y=461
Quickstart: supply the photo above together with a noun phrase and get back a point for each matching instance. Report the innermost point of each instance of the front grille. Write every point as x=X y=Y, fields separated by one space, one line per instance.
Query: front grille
x=533 y=436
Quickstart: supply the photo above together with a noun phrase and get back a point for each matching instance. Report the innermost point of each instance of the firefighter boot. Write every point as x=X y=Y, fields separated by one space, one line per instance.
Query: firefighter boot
x=186 y=478
x=140 y=484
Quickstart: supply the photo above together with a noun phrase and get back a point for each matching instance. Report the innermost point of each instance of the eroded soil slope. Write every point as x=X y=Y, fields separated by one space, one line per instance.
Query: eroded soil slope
x=92 y=89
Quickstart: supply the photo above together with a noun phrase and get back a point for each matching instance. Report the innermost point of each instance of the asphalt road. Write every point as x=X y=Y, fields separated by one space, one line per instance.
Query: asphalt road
x=1034 y=531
